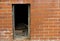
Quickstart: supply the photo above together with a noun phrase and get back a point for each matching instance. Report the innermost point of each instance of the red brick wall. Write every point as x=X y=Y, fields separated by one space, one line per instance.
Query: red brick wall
x=45 y=19
x=6 y=31
x=5 y=21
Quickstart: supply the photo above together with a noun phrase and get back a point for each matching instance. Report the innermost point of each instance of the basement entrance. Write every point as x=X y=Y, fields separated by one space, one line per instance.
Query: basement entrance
x=21 y=20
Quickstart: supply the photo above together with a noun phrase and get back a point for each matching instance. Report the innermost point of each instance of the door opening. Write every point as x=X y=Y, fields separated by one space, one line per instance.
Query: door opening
x=21 y=20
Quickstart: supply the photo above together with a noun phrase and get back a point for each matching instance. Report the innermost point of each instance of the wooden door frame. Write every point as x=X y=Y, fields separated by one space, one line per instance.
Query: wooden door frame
x=13 y=22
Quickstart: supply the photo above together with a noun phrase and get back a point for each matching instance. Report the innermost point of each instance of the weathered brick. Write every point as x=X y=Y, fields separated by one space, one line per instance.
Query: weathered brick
x=45 y=19
x=4 y=0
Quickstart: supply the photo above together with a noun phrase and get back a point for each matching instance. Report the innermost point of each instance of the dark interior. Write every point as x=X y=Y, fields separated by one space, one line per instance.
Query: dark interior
x=21 y=14
x=21 y=17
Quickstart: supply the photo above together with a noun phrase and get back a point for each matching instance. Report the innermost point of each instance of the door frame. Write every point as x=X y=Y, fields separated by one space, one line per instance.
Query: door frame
x=13 y=22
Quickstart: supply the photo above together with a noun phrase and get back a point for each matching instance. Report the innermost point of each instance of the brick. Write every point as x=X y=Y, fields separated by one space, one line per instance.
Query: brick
x=4 y=0
x=5 y=6
x=5 y=10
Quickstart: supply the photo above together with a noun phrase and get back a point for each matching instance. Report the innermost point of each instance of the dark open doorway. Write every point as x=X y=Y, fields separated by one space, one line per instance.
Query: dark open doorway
x=21 y=19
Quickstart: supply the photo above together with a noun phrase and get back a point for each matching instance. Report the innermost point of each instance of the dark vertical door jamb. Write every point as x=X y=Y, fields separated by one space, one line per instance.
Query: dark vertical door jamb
x=13 y=22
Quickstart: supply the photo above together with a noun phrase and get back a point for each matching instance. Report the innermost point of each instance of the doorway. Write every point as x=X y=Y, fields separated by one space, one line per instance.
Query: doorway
x=21 y=20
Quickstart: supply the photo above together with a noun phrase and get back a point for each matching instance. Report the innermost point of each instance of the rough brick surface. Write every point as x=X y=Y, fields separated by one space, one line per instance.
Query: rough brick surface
x=6 y=32
x=45 y=19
